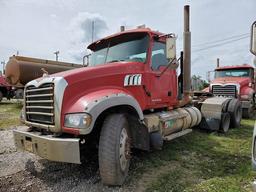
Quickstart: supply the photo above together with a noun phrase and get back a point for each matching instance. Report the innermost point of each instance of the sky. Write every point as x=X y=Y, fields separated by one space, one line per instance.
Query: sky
x=37 y=28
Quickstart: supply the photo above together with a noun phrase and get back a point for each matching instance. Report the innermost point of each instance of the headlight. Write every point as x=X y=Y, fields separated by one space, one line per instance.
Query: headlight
x=77 y=120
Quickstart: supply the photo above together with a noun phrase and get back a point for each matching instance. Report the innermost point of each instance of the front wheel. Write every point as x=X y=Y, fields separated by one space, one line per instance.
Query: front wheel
x=248 y=113
x=114 y=150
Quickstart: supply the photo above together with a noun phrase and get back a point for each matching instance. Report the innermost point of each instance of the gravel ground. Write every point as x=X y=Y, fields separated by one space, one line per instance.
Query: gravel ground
x=22 y=171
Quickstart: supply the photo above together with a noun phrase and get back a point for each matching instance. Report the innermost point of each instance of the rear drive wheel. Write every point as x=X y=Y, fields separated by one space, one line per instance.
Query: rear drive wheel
x=235 y=111
x=248 y=113
x=225 y=122
x=19 y=94
x=1 y=96
x=114 y=150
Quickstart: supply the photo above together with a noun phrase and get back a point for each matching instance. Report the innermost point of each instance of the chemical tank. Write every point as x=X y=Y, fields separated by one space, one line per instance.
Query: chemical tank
x=20 y=70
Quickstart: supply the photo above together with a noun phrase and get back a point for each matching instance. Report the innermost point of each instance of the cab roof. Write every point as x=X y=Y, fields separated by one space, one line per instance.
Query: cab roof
x=243 y=66
x=137 y=30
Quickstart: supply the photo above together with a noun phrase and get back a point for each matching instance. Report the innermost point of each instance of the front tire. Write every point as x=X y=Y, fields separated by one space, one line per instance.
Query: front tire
x=114 y=150
x=248 y=113
x=19 y=94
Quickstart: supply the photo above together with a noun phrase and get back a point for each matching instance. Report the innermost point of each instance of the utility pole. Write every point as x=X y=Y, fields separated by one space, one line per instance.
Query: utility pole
x=57 y=55
x=218 y=62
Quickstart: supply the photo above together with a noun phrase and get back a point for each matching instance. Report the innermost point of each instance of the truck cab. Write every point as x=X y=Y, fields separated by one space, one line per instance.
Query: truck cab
x=122 y=97
x=238 y=82
x=129 y=96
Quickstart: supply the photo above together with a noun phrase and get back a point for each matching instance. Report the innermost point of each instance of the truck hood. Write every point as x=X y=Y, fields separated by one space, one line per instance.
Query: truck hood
x=236 y=80
x=99 y=72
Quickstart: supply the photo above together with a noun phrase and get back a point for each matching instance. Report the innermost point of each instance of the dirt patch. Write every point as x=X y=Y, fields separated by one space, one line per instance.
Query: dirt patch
x=22 y=171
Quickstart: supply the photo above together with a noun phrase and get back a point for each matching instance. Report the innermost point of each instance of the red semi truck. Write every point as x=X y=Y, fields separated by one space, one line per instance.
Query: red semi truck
x=5 y=89
x=128 y=97
x=238 y=82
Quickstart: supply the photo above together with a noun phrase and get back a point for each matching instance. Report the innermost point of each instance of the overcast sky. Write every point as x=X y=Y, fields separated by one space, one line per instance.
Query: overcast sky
x=37 y=28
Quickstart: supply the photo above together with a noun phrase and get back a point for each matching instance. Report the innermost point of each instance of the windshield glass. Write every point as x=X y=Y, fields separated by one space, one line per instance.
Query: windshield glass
x=127 y=47
x=233 y=73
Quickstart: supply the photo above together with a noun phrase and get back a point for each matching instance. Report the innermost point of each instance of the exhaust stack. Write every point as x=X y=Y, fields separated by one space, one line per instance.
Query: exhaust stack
x=218 y=62
x=187 y=54
x=122 y=28
x=186 y=64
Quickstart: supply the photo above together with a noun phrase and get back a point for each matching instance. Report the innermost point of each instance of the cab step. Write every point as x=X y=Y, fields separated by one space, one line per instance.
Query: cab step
x=178 y=134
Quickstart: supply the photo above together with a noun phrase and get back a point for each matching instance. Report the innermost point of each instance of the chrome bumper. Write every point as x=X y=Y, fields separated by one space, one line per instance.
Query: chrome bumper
x=48 y=147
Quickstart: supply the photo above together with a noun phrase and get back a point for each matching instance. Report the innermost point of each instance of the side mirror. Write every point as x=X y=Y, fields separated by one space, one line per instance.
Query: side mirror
x=253 y=38
x=254 y=148
x=170 y=47
x=86 y=60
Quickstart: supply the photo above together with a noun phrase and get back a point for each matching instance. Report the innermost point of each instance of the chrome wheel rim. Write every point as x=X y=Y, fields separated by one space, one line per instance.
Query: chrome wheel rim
x=124 y=149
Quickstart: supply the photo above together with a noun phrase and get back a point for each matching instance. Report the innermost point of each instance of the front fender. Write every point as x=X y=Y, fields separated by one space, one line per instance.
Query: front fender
x=97 y=102
x=247 y=91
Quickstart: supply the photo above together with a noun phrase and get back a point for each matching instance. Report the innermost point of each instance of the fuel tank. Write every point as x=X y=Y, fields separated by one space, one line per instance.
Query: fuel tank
x=20 y=70
x=169 y=122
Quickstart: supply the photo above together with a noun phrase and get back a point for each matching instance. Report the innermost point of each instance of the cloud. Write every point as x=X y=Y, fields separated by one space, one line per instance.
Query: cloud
x=38 y=28
x=85 y=27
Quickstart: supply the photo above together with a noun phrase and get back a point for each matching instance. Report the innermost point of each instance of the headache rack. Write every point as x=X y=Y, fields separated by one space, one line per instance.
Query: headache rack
x=39 y=103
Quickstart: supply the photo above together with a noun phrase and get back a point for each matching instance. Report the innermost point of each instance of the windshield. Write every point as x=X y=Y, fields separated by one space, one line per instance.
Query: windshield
x=233 y=73
x=127 y=47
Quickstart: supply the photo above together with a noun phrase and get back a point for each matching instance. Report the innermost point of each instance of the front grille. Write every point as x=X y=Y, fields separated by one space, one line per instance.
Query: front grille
x=226 y=90
x=39 y=103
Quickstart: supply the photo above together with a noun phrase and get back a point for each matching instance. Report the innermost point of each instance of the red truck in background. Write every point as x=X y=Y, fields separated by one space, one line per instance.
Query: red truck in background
x=238 y=82
x=5 y=89
x=129 y=96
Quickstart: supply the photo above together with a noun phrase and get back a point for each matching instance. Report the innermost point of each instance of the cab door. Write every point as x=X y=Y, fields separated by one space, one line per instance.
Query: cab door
x=163 y=82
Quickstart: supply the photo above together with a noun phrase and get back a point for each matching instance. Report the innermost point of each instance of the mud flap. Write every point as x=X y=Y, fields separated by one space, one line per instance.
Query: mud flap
x=210 y=124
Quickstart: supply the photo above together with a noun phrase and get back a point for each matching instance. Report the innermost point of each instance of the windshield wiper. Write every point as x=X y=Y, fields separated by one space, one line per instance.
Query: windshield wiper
x=116 y=60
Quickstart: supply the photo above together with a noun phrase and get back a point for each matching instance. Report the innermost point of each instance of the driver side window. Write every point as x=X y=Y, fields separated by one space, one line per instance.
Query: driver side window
x=158 y=57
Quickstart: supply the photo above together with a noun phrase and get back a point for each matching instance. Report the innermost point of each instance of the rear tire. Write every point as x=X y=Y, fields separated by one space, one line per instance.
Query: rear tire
x=114 y=150
x=235 y=111
x=225 y=122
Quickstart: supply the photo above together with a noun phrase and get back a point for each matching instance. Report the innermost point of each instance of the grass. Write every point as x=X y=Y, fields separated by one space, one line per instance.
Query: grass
x=9 y=114
x=201 y=162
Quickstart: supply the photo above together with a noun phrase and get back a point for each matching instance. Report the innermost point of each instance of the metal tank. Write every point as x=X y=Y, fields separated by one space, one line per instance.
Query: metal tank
x=168 y=122
x=20 y=70
x=179 y=119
